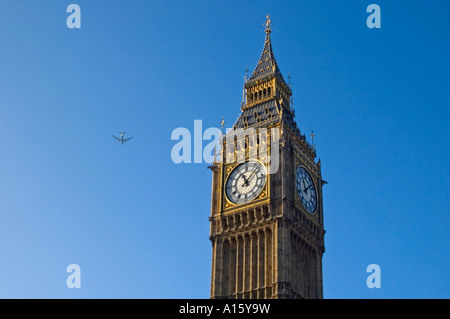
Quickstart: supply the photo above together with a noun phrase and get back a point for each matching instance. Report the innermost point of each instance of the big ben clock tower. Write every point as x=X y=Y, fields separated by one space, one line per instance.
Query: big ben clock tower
x=266 y=219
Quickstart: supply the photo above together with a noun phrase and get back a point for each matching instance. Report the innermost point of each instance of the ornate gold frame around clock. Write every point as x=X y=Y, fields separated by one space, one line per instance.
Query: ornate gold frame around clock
x=229 y=205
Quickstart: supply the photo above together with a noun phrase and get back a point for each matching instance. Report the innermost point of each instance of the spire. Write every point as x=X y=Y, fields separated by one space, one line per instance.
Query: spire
x=267 y=65
x=267 y=95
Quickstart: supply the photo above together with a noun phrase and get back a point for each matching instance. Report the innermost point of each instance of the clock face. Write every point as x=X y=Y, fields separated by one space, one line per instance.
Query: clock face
x=246 y=182
x=306 y=189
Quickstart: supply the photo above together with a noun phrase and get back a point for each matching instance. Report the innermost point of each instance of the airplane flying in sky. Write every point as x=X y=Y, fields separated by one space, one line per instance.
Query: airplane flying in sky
x=121 y=139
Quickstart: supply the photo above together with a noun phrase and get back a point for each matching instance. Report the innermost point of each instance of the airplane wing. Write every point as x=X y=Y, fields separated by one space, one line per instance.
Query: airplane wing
x=127 y=139
x=116 y=138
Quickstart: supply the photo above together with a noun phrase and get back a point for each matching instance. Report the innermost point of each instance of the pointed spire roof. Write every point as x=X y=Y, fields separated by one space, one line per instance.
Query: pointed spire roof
x=267 y=65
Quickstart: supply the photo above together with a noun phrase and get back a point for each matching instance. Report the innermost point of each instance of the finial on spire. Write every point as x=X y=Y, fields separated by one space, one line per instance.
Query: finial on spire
x=268 y=25
x=312 y=139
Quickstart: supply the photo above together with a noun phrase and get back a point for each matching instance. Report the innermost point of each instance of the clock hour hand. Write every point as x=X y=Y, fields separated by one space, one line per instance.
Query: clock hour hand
x=307 y=188
x=253 y=175
x=245 y=180
x=304 y=186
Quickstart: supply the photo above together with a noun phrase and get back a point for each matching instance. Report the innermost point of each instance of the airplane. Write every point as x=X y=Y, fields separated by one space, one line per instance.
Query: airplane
x=121 y=139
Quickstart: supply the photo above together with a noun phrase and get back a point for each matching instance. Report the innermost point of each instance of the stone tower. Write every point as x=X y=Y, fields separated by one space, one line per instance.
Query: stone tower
x=266 y=219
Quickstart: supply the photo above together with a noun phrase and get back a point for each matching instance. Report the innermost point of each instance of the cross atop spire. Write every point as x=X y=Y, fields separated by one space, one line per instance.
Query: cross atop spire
x=268 y=25
x=312 y=140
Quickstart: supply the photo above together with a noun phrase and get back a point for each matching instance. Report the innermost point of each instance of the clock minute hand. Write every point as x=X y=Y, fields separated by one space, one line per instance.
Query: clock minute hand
x=253 y=175
x=248 y=180
x=255 y=168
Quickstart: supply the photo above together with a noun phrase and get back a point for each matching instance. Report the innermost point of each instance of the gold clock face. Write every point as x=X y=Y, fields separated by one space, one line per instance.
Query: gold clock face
x=246 y=182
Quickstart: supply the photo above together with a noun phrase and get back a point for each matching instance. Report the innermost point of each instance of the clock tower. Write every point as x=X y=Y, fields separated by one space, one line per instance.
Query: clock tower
x=266 y=218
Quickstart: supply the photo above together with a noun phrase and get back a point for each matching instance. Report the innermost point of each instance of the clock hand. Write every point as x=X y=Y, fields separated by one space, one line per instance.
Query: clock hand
x=251 y=173
x=304 y=187
x=253 y=176
x=245 y=180
x=255 y=168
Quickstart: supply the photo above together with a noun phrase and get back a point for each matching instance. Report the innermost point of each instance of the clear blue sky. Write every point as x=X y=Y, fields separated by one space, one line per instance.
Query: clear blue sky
x=135 y=222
